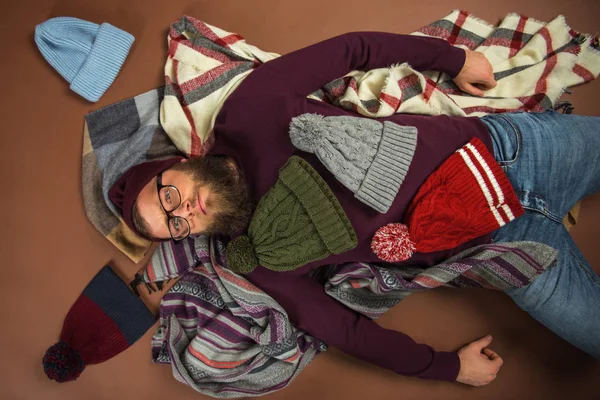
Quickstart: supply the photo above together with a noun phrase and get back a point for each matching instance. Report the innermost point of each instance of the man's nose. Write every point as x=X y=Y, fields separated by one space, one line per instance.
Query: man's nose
x=184 y=210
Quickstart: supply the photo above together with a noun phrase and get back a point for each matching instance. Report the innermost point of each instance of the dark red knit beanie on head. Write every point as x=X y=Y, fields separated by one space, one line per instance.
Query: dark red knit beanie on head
x=468 y=196
x=126 y=189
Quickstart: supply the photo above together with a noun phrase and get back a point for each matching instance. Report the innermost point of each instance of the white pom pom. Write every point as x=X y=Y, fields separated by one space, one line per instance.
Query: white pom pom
x=392 y=243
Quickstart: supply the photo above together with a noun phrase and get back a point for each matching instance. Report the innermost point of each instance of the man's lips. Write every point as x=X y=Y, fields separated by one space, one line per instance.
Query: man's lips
x=201 y=206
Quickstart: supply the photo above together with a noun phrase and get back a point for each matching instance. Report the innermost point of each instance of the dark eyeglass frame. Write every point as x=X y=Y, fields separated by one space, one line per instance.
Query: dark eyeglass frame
x=170 y=216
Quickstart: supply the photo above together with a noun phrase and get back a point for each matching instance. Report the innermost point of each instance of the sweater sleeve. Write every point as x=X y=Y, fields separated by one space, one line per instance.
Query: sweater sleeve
x=315 y=312
x=306 y=70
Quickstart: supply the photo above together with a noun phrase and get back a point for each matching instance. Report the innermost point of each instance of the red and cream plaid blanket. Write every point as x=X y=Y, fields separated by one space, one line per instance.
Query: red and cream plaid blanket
x=534 y=62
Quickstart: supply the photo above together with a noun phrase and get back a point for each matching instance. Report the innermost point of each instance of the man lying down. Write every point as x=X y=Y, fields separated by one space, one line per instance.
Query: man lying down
x=299 y=184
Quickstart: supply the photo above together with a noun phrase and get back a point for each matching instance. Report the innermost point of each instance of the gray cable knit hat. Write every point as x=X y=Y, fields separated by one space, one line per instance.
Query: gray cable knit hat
x=369 y=157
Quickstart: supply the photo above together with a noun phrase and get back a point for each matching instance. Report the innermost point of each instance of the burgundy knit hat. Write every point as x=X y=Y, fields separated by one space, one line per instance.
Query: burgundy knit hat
x=106 y=319
x=126 y=189
x=468 y=196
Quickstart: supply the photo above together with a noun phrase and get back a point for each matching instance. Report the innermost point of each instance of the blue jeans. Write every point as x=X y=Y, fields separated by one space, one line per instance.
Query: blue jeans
x=553 y=161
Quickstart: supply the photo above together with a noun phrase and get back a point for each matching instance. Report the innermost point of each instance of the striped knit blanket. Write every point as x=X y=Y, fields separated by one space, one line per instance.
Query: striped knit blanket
x=222 y=335
x=226 y=338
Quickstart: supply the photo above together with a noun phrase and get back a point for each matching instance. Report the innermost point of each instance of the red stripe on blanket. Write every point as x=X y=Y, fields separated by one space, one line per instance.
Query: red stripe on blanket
x=293 y=358
x=489 y=110
x=435 y=32
x=231 y=39
x=173 y=46
x=209 y=142
x=150 y=271
x=429 y=88
x=355 y=283
x=542 y=86
x=207 y=77
x=352 y=84
x=392 y=101
x=175 y=35
x=477 y=278
x=203 y=29
x=214 y=363
x=532 y=103
x=427 y=281
x=230 y=277
x=584 y=73
x=175 y=84
x=445 y=34
x=195 y=145
x=460 y=20
x=210 y=34
x=517 y=40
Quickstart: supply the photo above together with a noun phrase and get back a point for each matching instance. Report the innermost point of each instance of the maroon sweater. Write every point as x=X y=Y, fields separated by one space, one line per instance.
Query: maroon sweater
x=252 y=128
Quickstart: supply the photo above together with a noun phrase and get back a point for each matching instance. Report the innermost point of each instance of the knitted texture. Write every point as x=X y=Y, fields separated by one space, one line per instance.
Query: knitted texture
x=241 y=255
x=123 y=194
x=369 y=157
x=62 y=363
x=392 y=243
x=89 y=56
x=468 y=196
x=106 y=319
x=296 y=222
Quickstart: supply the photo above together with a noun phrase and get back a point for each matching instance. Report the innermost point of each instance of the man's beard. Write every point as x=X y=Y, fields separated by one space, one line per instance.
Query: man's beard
x=230 y=198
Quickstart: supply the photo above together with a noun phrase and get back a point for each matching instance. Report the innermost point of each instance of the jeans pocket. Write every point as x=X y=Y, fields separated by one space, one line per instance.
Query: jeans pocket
x=514 y=142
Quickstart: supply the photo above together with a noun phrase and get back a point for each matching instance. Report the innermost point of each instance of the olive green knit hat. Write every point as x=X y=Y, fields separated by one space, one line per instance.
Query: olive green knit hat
x=298 y=221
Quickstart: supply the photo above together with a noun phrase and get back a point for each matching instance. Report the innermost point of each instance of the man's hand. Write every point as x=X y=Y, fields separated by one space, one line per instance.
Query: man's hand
x=476 y=75
x=478 y=364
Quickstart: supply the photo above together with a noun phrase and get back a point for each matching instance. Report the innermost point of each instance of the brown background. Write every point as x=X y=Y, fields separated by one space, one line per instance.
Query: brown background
x=50 y=251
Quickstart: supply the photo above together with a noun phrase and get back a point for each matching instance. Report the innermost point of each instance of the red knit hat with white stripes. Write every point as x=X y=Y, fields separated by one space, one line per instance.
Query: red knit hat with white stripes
x=468 y=196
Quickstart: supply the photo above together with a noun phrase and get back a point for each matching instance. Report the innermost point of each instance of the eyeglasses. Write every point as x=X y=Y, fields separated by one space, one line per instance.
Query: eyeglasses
x=170 y=199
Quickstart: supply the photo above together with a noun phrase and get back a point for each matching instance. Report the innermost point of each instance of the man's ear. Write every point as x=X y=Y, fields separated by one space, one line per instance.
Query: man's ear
x=183 y=160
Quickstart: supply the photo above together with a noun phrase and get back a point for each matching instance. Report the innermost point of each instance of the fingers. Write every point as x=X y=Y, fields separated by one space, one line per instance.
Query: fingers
x=494 y=358
x=469 y=88
x=483 y=342
x=487 y=84
x=491 y=354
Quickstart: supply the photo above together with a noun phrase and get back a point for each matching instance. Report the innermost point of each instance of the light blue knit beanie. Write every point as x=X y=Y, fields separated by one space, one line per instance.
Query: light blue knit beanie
x=89 y=56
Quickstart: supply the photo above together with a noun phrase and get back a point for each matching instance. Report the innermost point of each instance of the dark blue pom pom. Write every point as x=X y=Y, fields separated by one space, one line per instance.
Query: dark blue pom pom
x=63 y=363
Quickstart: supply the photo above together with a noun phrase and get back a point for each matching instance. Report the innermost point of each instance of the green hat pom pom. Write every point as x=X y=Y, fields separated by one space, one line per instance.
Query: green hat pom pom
x=241 y=257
